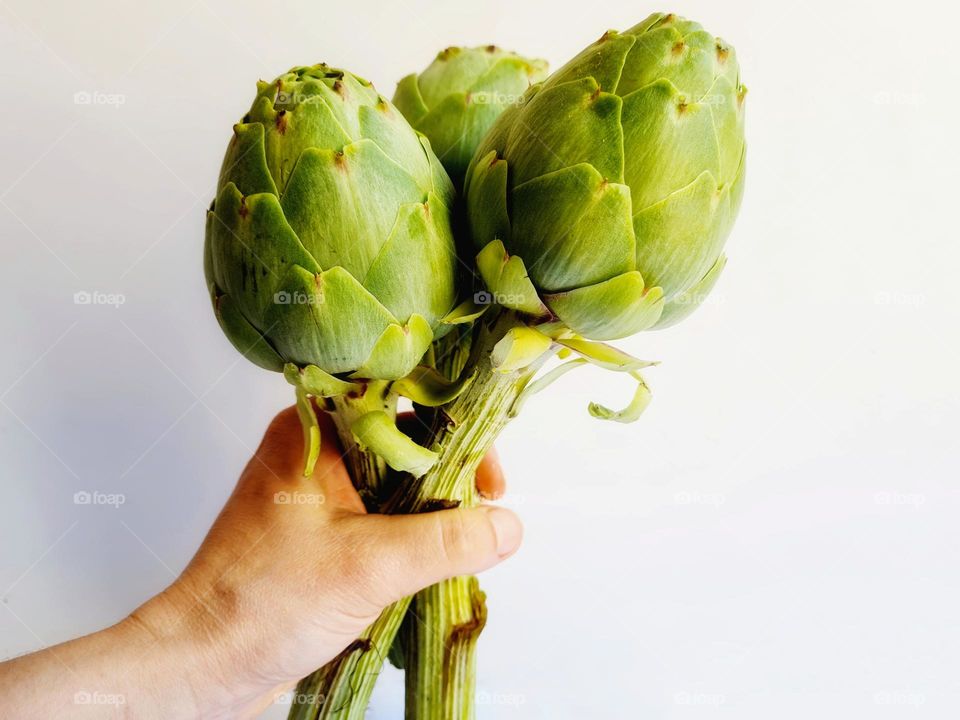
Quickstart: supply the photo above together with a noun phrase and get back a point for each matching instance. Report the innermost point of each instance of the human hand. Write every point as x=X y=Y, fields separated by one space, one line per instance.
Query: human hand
x=294 y=569
x=291 y=572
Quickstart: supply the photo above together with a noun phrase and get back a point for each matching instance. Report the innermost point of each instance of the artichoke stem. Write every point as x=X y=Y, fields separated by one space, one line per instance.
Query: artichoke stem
x=445 y=621
x=369 y=471
x=342 y=688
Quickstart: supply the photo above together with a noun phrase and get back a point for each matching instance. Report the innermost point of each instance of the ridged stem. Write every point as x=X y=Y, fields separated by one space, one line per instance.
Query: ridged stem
x=342 y=688
x=445 y=621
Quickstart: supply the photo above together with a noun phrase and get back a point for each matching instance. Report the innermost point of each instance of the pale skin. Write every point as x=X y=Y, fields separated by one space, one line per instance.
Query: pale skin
x=276 y=590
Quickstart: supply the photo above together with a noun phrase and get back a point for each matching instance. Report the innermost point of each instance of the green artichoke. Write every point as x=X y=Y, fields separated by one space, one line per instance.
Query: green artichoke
x=459 y=96
x=603 y=201
x=329 y=242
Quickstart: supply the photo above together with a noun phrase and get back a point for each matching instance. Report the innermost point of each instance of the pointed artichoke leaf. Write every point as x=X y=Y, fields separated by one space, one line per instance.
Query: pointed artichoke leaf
x=408 y=99
x=506 y=278
x=414 y=270
x=425 y=386
x=397 y=351
x=726 y=108
x=605 y=356
x=343 y=205
x=686 y=302
x=688 y=60
x=487 y=200
x=680 y=238
x=244 y=336
x=519 y=348
x=329 y=320
x=543 y=382
x=641 y=399
x=252 y=246
x=466 y=312
x=672 y=141
x=454 y=67
x=311 y=431
x=584 y=240
x=603 y=61
x=612 y=309
x=378 y=433
x=388 y=128
x=442 y=184
x=564 y=125
x=445 y=125
x=507 y=79
x=245 y=164
x=318 y=383
x=300 y=115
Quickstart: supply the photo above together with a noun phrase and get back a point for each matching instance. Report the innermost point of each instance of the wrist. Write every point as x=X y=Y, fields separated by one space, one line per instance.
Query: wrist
x=188 y=655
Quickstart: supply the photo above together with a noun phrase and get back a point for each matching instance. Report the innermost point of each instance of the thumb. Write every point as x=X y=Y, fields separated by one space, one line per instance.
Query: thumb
x=415 y=551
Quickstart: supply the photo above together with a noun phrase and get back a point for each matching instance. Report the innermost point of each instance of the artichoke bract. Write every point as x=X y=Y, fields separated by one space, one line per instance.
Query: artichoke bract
x=604 y=199
x=456 y=99
x=329 y=242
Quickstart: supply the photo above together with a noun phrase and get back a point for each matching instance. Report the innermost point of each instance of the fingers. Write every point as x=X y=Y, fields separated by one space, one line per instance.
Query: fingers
x=414 y=551
x=279 y=460
x=491 y=484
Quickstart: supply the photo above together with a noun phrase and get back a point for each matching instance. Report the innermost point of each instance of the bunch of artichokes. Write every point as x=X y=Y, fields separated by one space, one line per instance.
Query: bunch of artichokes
x=597 y=199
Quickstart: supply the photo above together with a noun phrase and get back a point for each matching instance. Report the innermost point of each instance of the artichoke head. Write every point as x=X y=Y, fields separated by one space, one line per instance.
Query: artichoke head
x=456 y=99
x=329 y=241
x=604 y=199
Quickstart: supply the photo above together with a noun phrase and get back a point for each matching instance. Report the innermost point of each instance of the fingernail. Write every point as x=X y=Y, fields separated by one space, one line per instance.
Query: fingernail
x=507 y=527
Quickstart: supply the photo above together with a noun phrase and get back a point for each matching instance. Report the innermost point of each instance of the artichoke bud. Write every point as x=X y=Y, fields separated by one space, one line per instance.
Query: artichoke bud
x=616 y=182
x=329 y=242
x=456 y=99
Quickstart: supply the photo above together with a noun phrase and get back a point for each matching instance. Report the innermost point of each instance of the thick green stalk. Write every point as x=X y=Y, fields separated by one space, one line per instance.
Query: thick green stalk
x=445 y=621
x=439 y=653
x=342 y=688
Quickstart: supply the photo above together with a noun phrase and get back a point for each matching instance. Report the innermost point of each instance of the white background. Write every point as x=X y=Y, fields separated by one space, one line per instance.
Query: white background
x=776 y=538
